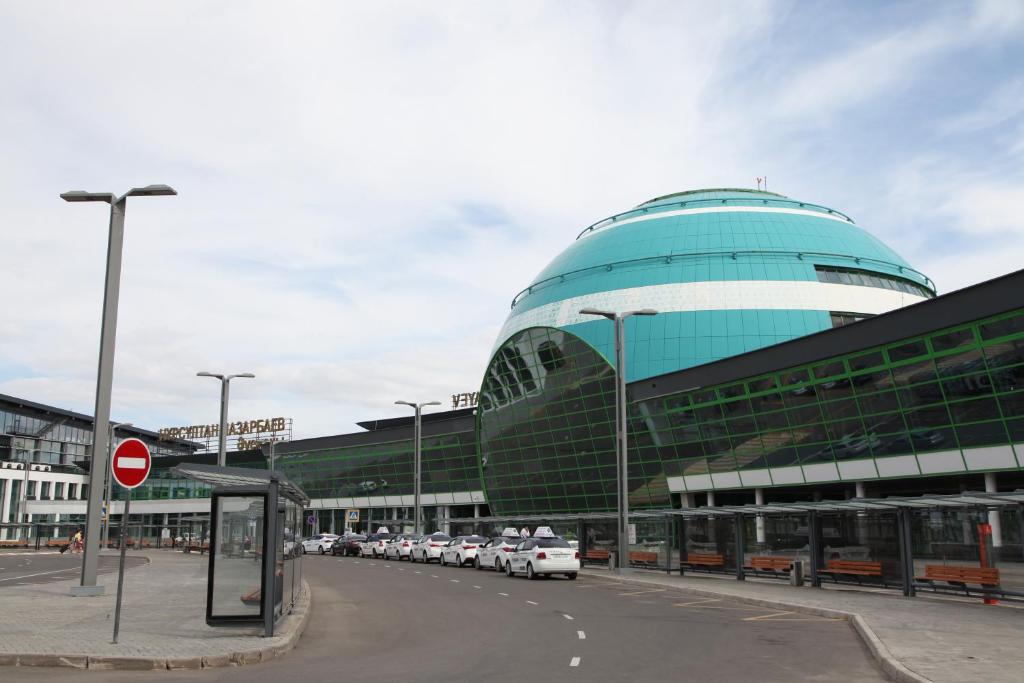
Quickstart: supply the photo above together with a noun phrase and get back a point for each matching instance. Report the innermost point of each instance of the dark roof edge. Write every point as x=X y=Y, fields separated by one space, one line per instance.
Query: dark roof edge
x=88 y=419
x=463 y=423
x=960 y=306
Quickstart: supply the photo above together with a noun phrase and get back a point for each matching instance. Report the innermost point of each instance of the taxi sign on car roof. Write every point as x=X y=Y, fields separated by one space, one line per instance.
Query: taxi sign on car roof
x=383 y=530
x=543 y=532
x=509 y=531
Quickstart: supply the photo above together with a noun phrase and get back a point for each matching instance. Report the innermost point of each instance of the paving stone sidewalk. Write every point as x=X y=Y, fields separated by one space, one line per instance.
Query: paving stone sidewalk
x=915 y=639
x=163 y=622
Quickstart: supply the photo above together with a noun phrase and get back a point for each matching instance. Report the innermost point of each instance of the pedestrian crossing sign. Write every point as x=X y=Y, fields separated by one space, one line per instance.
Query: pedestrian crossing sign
x=352 y=515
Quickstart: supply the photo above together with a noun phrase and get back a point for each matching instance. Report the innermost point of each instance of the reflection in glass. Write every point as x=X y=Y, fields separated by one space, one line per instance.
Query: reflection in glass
x=237 y=557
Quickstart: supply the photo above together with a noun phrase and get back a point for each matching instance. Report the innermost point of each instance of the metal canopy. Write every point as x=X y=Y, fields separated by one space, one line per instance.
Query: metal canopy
x=237 y=477
x=967 y=499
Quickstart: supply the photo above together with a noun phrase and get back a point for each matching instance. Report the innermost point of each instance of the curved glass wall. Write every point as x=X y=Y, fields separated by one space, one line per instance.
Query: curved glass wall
x=546 y=426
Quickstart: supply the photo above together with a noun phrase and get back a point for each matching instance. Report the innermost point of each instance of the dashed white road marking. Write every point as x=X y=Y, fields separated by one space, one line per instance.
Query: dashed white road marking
x=454 y=580
x=582 y=635
x=419 y=572
x=568 y=616
x=476 y=586
x=505 y=595
x=401 y=569
x=373 y=564
x=531 y=602
x=575 y=661
x=433 y=576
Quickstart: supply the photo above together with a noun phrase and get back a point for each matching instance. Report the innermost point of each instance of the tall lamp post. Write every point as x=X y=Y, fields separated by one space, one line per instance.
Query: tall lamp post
x=105 y=372
x=222 y=434
x=108 y=492
x=417 y=436
x=621 y=461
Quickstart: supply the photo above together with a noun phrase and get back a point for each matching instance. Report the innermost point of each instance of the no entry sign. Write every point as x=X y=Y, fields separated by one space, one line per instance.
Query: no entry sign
x=131 y=463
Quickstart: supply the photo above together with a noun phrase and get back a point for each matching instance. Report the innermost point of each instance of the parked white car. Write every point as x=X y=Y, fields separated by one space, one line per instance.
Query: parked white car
x=461 y=550
x=374 y=544
x=429 y=547
x=321 y=543
x=493 y=553
x=400 y=547
x=543 y=555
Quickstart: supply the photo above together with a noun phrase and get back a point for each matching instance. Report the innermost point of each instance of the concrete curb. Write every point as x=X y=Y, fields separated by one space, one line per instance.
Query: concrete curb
x=291 y=628
x=891 y=666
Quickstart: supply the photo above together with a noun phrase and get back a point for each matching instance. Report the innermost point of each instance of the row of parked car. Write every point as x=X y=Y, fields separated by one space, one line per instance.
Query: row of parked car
x=542 y=554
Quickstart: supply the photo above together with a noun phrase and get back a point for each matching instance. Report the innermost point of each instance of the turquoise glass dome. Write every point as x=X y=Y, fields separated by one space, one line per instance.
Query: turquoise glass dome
x=729 y=270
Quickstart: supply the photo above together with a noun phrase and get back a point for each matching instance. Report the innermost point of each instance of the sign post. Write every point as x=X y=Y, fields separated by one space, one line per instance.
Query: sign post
x=130 y=468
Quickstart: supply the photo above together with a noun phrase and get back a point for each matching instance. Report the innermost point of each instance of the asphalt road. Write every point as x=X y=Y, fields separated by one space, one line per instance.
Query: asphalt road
x=19 y=568
x=376 y=621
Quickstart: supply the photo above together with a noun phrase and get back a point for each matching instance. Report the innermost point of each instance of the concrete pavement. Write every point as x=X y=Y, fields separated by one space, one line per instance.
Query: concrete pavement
x=162 y=621
x=914 y=639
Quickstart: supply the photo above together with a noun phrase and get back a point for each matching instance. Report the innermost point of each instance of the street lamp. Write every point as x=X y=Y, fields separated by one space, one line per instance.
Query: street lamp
x=108 y=492
x=105 y=374
x=417 y=436
x=225 y=380
x=621 y=461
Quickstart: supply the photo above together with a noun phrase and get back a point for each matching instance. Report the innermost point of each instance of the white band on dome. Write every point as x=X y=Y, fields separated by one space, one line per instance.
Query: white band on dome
x=654 y=215
x=728 y=295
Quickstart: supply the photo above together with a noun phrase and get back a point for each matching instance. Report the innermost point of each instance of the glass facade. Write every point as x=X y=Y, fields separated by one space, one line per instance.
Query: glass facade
x=956 y=389
x=384 y=468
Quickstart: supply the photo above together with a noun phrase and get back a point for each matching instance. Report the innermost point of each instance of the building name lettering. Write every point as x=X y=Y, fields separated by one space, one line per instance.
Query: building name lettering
x=467 y=400
x=273 y=424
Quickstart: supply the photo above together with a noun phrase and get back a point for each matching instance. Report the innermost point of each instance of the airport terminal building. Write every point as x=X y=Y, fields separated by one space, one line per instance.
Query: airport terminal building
x=794 y=357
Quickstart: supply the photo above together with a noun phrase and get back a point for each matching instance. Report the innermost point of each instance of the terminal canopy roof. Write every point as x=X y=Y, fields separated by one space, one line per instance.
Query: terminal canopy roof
x=239 y=477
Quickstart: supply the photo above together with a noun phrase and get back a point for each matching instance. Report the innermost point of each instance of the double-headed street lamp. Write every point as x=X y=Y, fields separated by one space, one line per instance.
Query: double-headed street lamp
x=105 y=375
x=417 y=436
x=225 y=380
x=621 y=461
x=108 y=492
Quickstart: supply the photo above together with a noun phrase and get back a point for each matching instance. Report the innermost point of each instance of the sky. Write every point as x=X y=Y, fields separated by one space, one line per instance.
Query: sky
x=364 y=186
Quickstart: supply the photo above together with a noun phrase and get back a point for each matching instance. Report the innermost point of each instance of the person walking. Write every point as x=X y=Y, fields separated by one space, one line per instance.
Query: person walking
x=77 y=542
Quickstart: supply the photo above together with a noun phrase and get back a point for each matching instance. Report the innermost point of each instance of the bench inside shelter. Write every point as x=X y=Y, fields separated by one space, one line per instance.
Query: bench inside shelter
x=705 y=561
x=855 y=569
x=769 y=563
x=959 y=576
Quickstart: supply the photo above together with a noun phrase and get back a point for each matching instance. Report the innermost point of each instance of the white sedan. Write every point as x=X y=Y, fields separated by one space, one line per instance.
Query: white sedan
x=494 y=553
x=429 y=547
x=461 y=550
x=321 y=543
x=543 y=556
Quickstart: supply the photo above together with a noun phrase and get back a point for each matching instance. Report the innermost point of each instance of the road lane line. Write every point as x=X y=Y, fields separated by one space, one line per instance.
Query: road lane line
x=401 y=569
x=531 y=602
x=476 y=586
x=575 y=661
x=454 y=580
x=582 y=635
x=504 y=595
x=766 y=616
x=695 y=602
x=419 y=572
x=28 y=576
x=652 y=590
x=568 y=616
x=373 y=564
x=433 y=576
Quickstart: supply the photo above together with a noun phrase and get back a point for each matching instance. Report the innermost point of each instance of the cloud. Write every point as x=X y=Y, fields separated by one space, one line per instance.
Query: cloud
x=363 y=188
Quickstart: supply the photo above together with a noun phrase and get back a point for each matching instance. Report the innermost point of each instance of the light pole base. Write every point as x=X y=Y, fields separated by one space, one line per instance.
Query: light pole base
x=87 y=591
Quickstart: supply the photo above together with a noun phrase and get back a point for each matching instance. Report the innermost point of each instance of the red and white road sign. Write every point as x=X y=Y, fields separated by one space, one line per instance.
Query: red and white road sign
x=131 y=463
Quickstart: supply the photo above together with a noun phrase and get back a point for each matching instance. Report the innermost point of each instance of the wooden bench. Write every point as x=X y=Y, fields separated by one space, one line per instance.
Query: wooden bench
x=959 y=576
x=596 y=556
x=706 y=560
x=854 y=568
x=13 y=544
x=643 y=557
x=769 y=563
